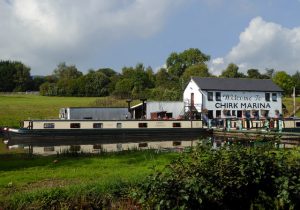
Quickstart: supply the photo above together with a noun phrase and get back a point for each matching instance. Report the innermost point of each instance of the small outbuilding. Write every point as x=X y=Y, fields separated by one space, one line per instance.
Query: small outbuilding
x=158 y=110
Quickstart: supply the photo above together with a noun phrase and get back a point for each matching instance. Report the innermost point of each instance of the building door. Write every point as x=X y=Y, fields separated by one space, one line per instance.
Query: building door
x=192 y=100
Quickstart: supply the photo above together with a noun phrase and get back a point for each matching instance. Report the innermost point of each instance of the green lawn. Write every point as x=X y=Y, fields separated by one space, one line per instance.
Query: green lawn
x=15 y=108
x=22 y=177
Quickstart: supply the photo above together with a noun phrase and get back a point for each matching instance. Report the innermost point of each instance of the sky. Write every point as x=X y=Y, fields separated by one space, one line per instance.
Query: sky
x=93 y=34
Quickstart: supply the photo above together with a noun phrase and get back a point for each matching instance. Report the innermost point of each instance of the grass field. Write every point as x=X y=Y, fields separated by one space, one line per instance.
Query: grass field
x=23 y=179
x=15 y=108
x=289 y=103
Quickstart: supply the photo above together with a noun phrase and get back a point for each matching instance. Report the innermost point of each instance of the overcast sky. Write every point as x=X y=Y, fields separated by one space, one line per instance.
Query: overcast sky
x=117 y=33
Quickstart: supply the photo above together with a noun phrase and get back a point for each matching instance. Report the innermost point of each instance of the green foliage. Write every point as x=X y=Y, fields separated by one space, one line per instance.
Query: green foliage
x=134 y=82
x=227 y=178
x=178 y=63
x=199 y=70
x=296 y=79
x=285 y=81
x=66 y=72
x=232 y=71
x=14 y=76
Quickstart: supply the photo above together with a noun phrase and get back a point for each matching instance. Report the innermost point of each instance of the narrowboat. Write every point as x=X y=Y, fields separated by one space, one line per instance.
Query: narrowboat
x=80 y=132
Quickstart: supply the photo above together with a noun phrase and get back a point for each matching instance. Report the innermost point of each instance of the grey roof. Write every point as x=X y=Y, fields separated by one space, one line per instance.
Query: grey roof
x=236 y=84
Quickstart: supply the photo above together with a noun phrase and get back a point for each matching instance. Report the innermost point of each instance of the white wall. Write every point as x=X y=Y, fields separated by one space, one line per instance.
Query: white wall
x=192 y=87
x=237 y=100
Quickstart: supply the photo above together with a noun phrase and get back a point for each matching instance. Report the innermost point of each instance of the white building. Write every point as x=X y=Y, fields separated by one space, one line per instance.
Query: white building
x=233 y=97
x=172 y=109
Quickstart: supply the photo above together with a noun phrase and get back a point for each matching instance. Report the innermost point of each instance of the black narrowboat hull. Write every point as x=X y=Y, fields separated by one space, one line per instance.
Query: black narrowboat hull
x=49 y=137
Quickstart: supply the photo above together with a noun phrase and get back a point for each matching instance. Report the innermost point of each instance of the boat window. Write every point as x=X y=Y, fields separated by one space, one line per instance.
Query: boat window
x=97 y=146
x=218 y=96
x=267 y=96
x=119 y=125
x=297 y=124
x=176 y=125
x=49 y=125
x=210 y=96
x=97 y=125
x=143 y=144
x=75 y=148
x=143 y=125
x=274 y=97
x=176 y=143
x=48 y=149
x=75 y=125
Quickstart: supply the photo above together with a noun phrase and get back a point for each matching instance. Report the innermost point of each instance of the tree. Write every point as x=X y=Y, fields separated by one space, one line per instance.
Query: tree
x=14 y=76
x=269 y=73
x=107 y=71
x=199 y=70
x=96 y=84
x=178 y=63
x=285 y=81
x=296 y=79
x=66 y=72
x=232 y=71
x=254 y=74
x=37 y=81
x=123 y=88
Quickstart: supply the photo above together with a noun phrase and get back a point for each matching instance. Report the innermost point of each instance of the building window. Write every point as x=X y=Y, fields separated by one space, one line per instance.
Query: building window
x=218 y=113
x=218 y=96
x=97 y=125
x=267 y=96
x=239 y=113
x=210 y=96
x=274 y=97
x=297 y=124
x=119 y=125
x=48 y=149
x=143 y=125
x=210 y=114
x=49 y=125
x=75 y=125
x=176 y=125
x=233 y=113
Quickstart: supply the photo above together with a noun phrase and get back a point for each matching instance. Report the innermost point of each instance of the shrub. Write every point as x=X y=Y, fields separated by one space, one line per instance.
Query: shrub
x=228 y=178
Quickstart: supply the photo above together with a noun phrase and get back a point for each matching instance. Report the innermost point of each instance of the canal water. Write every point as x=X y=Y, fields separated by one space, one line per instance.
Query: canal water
x=168 y=145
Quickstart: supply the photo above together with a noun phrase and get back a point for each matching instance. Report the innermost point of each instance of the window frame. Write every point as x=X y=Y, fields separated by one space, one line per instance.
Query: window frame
x=143 y=125
x=210 y=96
x=176 y=125
x=97 y=125
x=46 y=125
x=218 y=98
x=75 y=125
x=274 y=96
x=267 y=97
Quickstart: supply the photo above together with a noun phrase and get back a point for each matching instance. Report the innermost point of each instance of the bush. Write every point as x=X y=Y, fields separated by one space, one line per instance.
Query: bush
x=228 y=178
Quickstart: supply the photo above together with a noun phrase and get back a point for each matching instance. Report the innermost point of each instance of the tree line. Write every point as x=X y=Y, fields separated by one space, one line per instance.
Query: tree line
x=139 y=81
